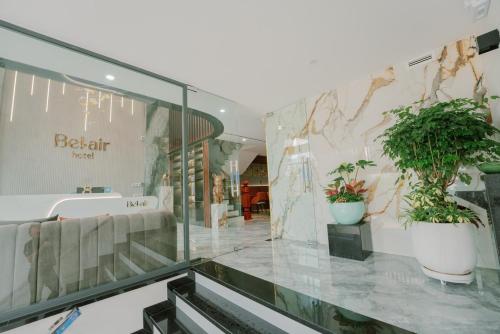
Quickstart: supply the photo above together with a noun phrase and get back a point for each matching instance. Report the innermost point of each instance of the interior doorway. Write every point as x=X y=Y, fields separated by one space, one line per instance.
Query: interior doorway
x=255 y=190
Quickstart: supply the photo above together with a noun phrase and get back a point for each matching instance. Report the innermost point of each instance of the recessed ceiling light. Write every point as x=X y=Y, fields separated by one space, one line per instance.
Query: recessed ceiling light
x=110 y=77
x=243 y=139
x=280 y=127
x=223 y=110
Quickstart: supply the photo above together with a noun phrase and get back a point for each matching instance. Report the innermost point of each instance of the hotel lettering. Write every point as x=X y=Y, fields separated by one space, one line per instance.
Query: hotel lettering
x=81 y=147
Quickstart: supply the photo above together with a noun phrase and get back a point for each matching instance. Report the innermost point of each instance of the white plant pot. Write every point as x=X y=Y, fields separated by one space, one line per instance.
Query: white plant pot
x=347 y=213
x=445 y=251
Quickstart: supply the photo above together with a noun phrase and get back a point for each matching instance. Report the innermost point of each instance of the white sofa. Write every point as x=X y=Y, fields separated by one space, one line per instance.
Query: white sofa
x=76 y=254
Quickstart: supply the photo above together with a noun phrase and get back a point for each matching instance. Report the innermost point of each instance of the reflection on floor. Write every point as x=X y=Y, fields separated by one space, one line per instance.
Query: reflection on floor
x=386 y=287
x=205 y=243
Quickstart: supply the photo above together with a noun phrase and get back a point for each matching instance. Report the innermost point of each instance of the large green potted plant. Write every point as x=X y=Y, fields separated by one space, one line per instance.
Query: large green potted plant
x=429 y=144
x=345 y=192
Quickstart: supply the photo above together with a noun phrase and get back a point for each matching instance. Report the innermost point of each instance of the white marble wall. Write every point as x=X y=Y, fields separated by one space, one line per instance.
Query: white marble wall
x=342 y=125
x=292 y=196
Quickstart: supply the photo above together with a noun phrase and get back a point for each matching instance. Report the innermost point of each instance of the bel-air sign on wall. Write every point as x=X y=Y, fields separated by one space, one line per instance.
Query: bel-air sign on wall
x=81 y=148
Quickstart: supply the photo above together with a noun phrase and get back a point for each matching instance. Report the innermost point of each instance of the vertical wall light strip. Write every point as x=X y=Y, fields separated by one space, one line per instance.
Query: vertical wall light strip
x=122 y=101
x=237 y=176
x=13 y=98
x=64 y=88
x=132 y=107
x=86 y=111
x=110 y=107
x=32 y=85
x=99 y=100
x=231 y=174
x=48 y=97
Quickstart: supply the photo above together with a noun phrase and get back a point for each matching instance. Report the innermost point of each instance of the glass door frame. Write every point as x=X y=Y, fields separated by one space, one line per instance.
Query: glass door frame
x=38 y=311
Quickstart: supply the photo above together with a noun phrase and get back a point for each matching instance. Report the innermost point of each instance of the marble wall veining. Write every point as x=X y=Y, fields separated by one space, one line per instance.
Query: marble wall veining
x=292 y=200
x=309 y=138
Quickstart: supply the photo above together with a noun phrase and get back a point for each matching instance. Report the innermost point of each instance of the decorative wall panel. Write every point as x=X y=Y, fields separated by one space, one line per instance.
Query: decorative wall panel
x=343 y=124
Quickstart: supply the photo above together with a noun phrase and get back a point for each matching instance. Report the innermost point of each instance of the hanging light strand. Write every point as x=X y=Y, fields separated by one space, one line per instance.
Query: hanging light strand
x=86 y=111
x=48 y=96
x=13 y=98
x=32 y=91
x=110 y=107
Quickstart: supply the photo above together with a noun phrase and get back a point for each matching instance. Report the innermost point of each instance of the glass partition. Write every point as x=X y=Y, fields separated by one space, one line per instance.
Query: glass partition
x=218 y=221
x=91 y=173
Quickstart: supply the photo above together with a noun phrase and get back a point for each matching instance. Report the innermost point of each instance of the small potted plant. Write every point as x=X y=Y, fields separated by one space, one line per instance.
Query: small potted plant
x=345 y=193
x=429 y=144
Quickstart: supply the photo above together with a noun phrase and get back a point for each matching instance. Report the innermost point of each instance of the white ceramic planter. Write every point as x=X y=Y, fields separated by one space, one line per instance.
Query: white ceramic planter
x=445 y=251
x=347 y=213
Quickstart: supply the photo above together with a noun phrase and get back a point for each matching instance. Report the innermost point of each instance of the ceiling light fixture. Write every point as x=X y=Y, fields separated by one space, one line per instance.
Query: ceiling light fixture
x=110 y=77
x=222 y=110
x=478 y=8
x=243 y=139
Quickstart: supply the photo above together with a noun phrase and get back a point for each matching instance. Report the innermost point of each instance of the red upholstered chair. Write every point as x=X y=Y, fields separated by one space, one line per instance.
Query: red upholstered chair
x=260 y=200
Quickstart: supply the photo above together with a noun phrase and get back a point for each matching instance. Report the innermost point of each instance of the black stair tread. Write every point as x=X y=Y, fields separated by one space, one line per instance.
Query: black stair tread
x=223 y=319
x=186 y=290
x=162 y=315
x=175 y=284
x=310 y=311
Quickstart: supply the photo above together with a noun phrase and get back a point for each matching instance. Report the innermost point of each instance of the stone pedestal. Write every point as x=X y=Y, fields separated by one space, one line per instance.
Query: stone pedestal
x=219 y=216
x=350 y=241
x=166 y=198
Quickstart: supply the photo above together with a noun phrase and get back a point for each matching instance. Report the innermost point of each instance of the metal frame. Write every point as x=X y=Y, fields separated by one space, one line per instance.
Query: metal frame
x=184 y=155
x=41 y=310
x=38 y=311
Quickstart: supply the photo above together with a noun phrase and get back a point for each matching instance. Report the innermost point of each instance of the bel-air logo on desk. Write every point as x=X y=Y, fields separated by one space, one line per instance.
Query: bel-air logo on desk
x=136 y=204
x=81 y=148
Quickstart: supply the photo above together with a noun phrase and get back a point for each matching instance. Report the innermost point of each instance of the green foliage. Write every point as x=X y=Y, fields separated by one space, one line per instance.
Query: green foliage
x=430 y=204
x=432 y=143
x=345 y=187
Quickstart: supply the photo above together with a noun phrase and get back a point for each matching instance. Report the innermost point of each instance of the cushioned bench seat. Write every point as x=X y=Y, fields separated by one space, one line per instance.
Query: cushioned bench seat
x=45 y=260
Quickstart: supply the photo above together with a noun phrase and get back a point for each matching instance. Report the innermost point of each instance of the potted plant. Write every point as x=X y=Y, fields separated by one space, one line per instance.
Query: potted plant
x=345 y=193
x=428 y=145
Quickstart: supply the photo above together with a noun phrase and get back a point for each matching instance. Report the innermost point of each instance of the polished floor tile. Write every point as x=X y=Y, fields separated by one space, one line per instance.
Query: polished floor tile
x=387 y=287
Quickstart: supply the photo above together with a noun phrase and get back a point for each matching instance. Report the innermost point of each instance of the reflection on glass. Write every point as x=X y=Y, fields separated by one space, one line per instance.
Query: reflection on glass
x=90 y=184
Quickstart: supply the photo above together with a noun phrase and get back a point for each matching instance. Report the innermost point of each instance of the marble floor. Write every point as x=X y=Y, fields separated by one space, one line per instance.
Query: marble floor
x=386 y=287
x=206 y=243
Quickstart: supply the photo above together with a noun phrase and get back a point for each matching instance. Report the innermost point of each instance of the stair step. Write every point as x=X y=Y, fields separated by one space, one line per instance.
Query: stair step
x=140 y=331
x=185 y=290
x=161 y=318
x=289 y=310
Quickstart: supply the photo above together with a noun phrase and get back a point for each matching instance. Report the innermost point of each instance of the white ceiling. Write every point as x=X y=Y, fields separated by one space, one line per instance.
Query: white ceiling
x=263 y=54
